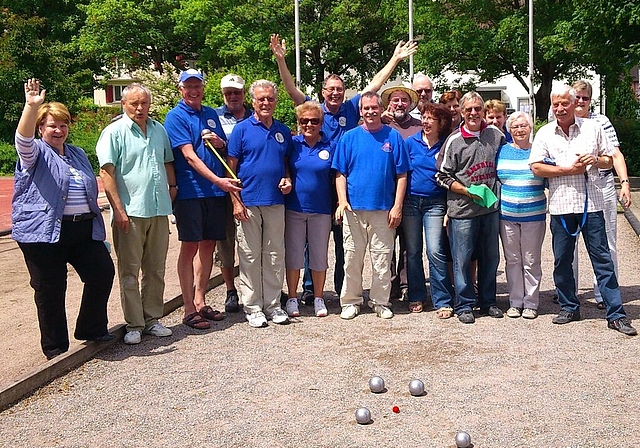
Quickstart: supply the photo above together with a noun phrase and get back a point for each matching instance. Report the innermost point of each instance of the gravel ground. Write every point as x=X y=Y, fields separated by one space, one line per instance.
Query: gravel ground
x=508 y=382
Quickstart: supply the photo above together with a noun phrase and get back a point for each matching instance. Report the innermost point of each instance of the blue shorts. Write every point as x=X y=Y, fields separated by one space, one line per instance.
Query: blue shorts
x=201 y=219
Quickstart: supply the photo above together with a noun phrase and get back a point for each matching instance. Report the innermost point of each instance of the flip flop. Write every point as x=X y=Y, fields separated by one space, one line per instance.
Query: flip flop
x=209 y=313
x=194 y=320
x=415 y=307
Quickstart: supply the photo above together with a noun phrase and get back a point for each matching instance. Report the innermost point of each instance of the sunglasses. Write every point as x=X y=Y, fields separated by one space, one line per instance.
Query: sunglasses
x=314 y=121
x=421 y=91
x=583 y=98
x=473 y=109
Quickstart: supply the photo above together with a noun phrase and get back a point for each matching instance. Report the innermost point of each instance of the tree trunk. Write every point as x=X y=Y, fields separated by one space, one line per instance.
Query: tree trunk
x=543 y=95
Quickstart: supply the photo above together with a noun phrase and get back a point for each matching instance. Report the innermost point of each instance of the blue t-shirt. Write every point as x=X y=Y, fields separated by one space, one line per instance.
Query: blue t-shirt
x=344 y=120
x=522 y=195
x=261 y=156
x=371 y=162
x=422 y=178
x=311 y=175
x=184 y=125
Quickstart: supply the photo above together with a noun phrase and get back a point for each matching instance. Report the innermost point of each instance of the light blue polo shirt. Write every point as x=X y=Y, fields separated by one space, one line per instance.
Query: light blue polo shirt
x=261 y=156
x=184 y=125
x=371 y=161
x=311 y=175
x=139 y=160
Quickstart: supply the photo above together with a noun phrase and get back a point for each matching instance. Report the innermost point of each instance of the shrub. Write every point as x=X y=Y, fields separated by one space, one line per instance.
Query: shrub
x=8 y=158
x=628 y=130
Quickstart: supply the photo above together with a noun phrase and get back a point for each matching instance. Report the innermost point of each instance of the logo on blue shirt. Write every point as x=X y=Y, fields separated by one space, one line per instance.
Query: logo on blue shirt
x=342 y=121
x=387 y=147
x=279 y=137
x=211 y=123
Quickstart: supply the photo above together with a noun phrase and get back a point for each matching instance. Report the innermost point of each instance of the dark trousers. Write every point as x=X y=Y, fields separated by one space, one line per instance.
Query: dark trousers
x=47 y=265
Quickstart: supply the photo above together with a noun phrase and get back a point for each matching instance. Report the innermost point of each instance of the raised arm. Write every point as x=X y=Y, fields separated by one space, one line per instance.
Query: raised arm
x=33 y=99
x=279 y=49
x=403 y=51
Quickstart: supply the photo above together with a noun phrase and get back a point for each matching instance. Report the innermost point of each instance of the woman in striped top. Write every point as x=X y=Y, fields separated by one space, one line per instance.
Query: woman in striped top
x=56 y=220
x=523 y=207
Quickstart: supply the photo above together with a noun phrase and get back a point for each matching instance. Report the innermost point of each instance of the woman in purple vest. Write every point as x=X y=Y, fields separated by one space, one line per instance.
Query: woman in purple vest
x=56 y=220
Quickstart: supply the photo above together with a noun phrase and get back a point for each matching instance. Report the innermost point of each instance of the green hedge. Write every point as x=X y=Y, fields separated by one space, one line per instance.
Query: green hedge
x=629 y=135
x=84 y=132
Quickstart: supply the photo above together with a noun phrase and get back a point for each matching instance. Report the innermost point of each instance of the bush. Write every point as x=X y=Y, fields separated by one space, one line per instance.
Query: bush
x=628 y=130
x=8 y=158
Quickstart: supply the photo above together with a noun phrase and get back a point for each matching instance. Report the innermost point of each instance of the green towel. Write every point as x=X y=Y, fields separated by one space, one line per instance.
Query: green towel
x=486 y=196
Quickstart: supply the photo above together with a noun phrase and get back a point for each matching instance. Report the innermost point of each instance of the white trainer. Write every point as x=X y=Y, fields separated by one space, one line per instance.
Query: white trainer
x=383 y=312
x=319 y=307
x=292 y=308
x=257 y=319
x=349 y=311
x=133 y=337
x=158 y=330
x=279 y=316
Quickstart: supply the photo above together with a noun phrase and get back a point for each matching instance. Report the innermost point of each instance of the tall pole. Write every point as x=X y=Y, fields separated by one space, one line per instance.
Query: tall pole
x=411 y=38
x=297 y=38
x=532 y=104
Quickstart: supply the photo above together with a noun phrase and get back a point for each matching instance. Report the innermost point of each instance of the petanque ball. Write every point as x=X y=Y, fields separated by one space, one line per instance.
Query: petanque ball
x=376 y=384
x=363 y=416
x=463 y=440
x=416 y=388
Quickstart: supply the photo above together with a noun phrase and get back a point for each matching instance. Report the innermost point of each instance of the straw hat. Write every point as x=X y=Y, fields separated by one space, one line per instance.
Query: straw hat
x=413 y=96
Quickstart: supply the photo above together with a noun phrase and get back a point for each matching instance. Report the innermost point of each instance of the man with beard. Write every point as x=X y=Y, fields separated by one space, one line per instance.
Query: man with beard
x=467 y=170
x=340 y=116
x=569 y=151
x=371 y=205
x=397 y=102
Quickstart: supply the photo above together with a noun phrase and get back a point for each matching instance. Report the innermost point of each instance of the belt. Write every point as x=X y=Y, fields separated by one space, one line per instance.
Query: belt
x=79 y=217
x=605 y=173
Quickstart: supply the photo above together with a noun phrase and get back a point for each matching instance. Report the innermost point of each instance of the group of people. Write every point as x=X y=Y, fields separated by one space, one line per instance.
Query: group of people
x=457 y=174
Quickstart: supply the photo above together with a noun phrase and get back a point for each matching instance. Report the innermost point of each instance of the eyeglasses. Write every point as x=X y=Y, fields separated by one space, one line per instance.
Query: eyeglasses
x=520 y=126
x=583 y=98
x=314 y=121
x=334 y=89
x=473 y=109
x=269 y=99
x=232 y=92
x=421 y=91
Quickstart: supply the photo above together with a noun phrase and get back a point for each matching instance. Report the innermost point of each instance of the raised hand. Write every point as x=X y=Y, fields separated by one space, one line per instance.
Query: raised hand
x=32 y=93
x=278 y=47
x=405 y=49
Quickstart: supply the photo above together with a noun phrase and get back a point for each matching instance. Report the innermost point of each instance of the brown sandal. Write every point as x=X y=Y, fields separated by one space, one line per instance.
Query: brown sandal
x=444 y=313
x=209 y=313
x=195 y=320
x=415 y=307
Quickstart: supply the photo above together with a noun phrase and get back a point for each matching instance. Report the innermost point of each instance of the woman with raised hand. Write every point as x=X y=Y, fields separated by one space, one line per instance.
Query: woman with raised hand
x=56 y=220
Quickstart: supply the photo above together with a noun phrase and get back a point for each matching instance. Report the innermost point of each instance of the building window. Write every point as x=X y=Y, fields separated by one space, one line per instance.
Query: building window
x=117 y=92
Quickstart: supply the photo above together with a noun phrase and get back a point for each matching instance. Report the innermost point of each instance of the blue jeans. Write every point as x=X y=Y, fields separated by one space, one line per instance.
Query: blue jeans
x=426 y=214
x=595 y=240
x=468 y=236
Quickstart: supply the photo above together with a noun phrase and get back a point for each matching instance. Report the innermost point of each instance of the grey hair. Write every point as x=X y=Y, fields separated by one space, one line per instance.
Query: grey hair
x=518 y=114
x=264 y=84
x=369 y=94
x=563 y=90
x=136 y=86
x=470 y=96
x=583 y=84
x=421 y=76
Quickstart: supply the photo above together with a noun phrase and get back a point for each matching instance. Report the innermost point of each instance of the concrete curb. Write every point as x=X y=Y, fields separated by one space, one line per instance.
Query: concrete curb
x=60 y=365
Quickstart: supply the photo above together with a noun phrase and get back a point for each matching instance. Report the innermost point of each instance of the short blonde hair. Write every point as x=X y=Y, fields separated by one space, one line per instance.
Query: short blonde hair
x=57 y=110
x=309 y=106
x=495 y=105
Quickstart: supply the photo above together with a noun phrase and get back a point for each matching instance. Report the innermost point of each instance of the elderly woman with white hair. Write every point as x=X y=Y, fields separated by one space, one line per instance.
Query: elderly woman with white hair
x=522 y=218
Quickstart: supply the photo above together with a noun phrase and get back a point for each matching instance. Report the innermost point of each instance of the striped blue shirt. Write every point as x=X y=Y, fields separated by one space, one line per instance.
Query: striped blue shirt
x=522 y=196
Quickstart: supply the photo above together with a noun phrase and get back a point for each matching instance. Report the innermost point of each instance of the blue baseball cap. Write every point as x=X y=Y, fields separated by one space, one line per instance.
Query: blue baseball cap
x=191 y=73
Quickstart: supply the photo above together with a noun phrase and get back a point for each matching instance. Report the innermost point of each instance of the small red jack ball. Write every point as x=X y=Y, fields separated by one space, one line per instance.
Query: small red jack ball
x=396 y=409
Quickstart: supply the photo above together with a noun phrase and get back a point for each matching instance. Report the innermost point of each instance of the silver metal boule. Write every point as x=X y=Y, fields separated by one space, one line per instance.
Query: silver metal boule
x=363 y=416
x=416 y=388
x=376 y=384
x=463 y=440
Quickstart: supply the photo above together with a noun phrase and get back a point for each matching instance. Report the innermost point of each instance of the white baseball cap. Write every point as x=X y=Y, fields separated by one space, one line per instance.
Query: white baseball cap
x=232 y=81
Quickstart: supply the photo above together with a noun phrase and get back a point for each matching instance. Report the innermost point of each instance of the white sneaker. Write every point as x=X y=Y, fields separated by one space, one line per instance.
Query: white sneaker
x=529 y=313
x=514 y=312
x=319 y=307
x=383 y=312
x=257 y=319
x=292 y=308
x=158 y=330
x=349 y=311
x=133 y=337
x=278 y=316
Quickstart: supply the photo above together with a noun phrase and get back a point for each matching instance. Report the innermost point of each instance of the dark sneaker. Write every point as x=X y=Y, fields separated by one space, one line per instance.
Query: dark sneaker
x=492 y=311
x=466 y=317
x=623 y=325
x=307 y=298
x=564 y=317
x=232 y=303
x=283 y=299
